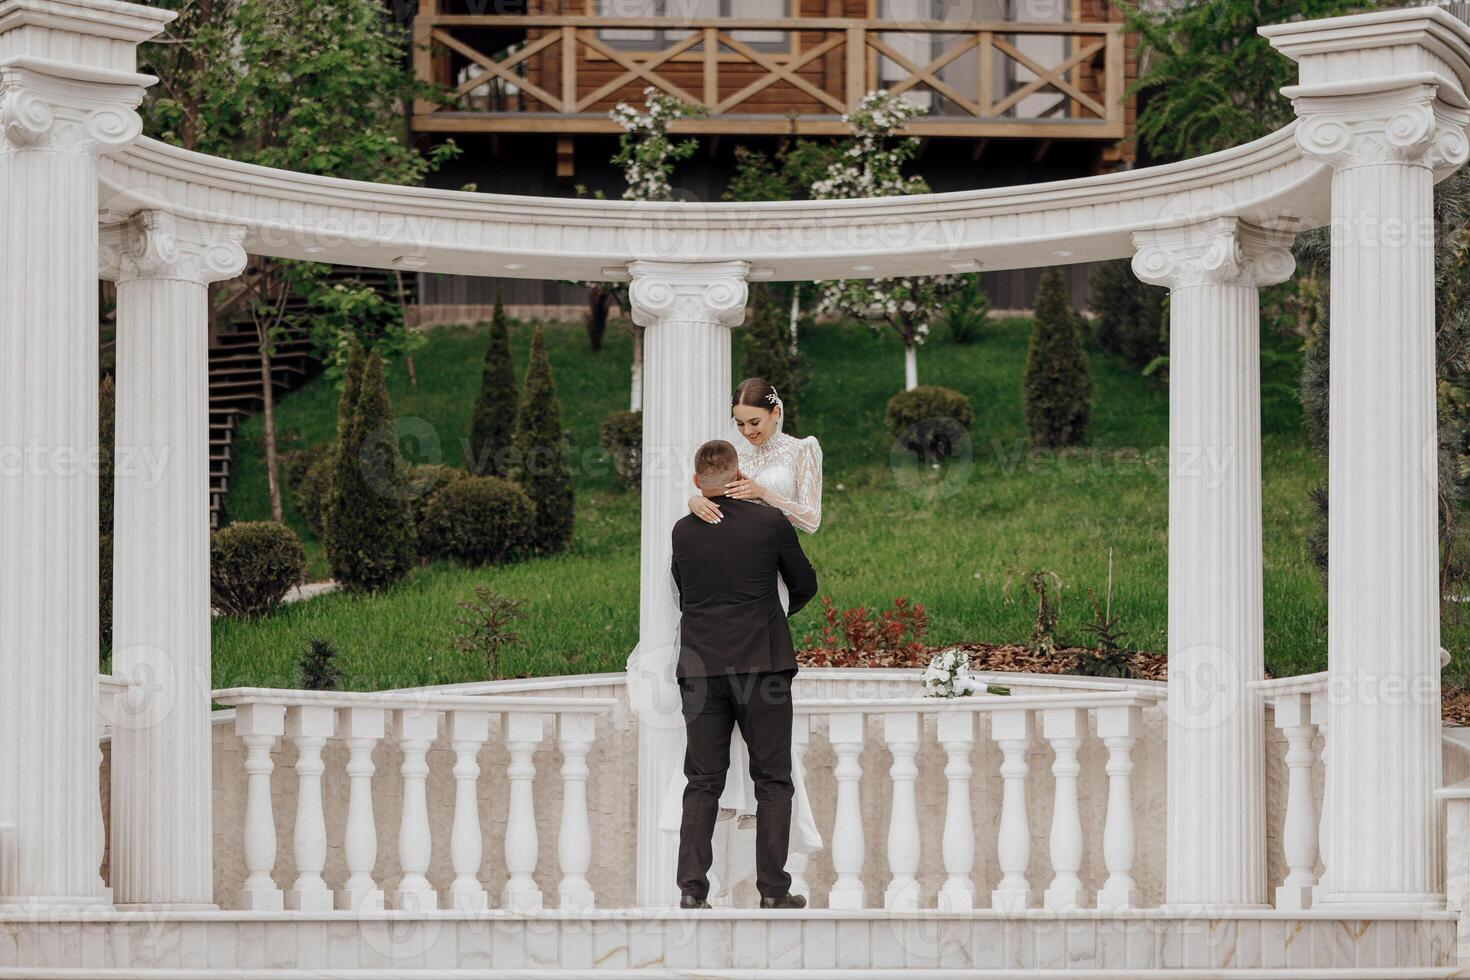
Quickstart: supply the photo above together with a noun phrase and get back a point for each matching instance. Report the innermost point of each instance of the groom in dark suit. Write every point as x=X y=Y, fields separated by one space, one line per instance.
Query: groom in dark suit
x=736 y=661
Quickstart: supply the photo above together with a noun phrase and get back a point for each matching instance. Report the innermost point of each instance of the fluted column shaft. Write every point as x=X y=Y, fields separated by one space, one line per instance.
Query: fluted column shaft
x=687 y=310
x=1216 y=842
x=1387 y=146
x=163 y=827
x=55 y=119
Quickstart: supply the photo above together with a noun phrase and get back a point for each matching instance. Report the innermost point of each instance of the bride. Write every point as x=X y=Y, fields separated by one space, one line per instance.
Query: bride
x=784 y=472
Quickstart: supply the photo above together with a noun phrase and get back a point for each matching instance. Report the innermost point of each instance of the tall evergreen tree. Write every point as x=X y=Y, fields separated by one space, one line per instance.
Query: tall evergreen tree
x=493 y=421
x=764 y=352
x=354 y=361
x=1058 y=385
x=371 y=527
x=541 y=465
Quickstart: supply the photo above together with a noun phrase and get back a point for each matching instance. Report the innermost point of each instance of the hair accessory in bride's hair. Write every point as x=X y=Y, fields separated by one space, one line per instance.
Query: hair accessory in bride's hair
x=772 y=397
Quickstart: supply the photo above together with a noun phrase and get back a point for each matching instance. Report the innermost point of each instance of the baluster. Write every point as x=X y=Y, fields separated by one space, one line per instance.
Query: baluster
x=523 y=732
x=796 y=863
x=415 y=730
x=362 y=729
x=1063 y=728
x=1118 y=728
x=1011 y=730
x=1299 y=834
x=957 y=735
x=468 y=731
x=259 y=725
x=901 y=732
x=574 y=843
x=1324 y=821
x=846 y=734
x=309 y=726
x=107 y=711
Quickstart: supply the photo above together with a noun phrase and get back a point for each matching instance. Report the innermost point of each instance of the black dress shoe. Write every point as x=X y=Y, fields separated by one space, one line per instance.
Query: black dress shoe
x=690 y=902
x=787 y=901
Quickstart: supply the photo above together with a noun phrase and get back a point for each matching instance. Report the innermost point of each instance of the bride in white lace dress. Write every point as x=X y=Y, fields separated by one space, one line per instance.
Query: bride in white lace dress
x=784 y=472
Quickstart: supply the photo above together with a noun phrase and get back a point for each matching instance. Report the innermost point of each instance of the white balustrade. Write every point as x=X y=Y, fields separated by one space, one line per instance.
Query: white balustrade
x=310 y=719
x=1066 y=722
x=1300 y=714
x=848 y=848
x=310 y=727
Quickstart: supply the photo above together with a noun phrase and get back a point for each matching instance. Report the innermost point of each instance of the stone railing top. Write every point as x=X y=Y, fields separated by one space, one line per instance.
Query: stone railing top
x=980 y=703
x=1310 y=683
x=410 y=700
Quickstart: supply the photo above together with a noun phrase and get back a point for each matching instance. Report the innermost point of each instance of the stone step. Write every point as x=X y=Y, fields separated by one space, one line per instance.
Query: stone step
x=699 y=974
x=733 y=942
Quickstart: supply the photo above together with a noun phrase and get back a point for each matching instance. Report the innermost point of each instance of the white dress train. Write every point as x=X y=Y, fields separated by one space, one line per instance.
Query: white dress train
x=790 y=470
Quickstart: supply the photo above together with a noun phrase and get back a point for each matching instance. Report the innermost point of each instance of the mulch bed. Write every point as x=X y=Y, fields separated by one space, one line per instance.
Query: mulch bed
x=1454 y=704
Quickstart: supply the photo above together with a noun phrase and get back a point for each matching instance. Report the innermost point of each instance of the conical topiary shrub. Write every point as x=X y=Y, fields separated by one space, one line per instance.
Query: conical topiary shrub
x=541 y=465
x=492 y=423
x=346 y=409
x=1057 y=390
x=370 y=527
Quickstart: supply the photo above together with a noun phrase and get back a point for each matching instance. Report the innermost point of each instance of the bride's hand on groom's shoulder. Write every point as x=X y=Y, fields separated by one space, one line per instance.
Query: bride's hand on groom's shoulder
x=705 y=509
x=744 y=488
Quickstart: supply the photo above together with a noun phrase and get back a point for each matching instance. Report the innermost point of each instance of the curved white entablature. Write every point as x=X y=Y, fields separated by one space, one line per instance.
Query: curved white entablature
x=1267 y=182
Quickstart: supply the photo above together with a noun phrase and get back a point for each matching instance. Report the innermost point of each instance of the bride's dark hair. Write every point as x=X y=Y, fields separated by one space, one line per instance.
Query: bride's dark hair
x=756 y=392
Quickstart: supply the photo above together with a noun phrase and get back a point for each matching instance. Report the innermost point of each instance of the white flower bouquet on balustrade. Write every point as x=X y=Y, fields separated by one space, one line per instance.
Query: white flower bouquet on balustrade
x=948 y=676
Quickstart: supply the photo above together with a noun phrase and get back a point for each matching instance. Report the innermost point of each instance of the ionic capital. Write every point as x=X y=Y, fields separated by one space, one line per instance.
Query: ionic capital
x=691 y=292
x=161 y=245
x=1223 y=251
x=1408 y=121
x=43 y=109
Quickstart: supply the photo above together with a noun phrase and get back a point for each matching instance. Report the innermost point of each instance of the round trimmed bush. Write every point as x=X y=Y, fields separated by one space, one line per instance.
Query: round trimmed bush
x=478 y=520
x=310 y=482
x=422 y=483
x=930 y=421
x=621 y=434
x=252 y=565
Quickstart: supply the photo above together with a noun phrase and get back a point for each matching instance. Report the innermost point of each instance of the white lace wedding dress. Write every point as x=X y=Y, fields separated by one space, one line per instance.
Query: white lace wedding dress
x=790 y=470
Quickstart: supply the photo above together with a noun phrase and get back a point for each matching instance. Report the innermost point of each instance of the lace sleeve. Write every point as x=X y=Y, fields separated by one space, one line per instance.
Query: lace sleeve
x=805 y=512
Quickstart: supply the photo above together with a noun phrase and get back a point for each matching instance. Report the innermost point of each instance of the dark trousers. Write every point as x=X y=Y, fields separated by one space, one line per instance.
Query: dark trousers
x=760 y=705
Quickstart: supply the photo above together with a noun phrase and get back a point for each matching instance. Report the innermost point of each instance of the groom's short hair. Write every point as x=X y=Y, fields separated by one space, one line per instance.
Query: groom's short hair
x=715 y=464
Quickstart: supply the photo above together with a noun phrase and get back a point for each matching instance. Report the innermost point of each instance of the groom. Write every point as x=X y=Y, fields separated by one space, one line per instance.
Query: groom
x=735 y=667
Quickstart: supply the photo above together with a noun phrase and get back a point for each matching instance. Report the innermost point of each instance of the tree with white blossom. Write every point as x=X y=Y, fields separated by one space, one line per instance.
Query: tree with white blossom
x=871 y=165
x=647 y=156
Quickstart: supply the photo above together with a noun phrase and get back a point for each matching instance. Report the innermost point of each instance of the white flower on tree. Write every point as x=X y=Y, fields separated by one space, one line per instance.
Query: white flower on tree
x=872 y=166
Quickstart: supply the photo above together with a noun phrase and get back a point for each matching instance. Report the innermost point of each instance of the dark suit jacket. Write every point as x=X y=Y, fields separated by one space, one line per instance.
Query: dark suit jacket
x=731 y=618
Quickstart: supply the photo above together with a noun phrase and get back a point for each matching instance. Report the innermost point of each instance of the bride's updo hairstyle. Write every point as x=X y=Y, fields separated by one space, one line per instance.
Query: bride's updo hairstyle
x=755 y=393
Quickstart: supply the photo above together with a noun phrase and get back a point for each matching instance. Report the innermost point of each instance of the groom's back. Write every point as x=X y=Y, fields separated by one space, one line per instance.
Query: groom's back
x=732 y=618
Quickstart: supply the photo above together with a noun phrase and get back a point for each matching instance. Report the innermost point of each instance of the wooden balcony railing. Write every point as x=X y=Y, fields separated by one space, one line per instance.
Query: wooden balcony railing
x=786 y=75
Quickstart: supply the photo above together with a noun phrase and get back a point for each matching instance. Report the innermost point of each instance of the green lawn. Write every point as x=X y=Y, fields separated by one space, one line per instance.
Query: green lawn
x=950 y=540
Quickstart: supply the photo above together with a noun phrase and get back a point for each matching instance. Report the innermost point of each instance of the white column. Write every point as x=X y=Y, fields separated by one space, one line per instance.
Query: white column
x=901 y=732
x=687 y=310
x=1388 y=141
x=362 y=729
x=1216 y=849
x=68 y=91
x=846 y=733
x=1011 y=730
x=415 y=731
x=522 y=732
x=161 y=604
x=259 y=726
x=468 y=731
x=957 y=736
x=1118 y=728
x=574 y=841
x=1064 y=728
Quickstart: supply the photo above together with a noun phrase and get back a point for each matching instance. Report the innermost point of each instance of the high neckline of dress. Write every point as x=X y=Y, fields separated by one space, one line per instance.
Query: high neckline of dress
x=777 y=440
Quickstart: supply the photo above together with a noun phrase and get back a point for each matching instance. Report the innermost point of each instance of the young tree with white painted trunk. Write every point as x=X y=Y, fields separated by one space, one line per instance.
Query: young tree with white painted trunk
x=871 y=165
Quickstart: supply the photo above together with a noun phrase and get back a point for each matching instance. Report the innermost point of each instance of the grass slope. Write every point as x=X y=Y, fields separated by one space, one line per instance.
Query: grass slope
x=952 y=540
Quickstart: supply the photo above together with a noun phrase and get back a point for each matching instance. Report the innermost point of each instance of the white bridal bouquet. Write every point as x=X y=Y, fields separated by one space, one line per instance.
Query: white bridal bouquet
x=948 y=676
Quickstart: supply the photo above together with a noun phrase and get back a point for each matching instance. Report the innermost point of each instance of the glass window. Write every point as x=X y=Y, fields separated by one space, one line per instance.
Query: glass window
x=650 y=39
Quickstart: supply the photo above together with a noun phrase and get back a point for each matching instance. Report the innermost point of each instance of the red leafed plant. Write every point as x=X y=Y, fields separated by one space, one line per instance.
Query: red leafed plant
x=852 y=636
